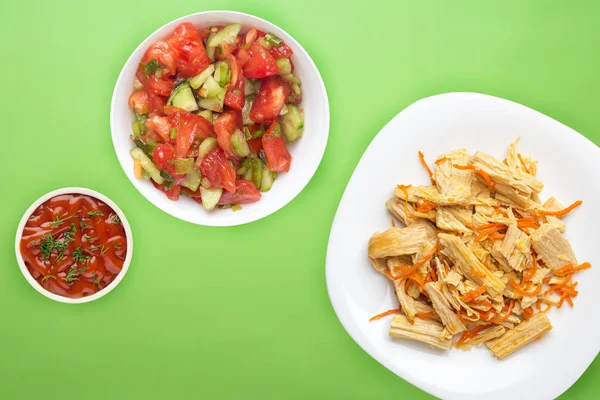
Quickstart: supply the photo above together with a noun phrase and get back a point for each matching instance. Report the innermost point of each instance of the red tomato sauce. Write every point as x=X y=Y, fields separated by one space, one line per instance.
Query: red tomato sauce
x=74 y=245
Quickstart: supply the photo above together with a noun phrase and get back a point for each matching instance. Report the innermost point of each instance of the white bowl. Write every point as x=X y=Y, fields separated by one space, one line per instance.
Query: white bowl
x=35 y=284
x=567 y=161
x=306 y=152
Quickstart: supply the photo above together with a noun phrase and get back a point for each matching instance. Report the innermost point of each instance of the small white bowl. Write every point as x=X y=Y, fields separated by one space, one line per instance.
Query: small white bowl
x=35 y=284
x=306 y=152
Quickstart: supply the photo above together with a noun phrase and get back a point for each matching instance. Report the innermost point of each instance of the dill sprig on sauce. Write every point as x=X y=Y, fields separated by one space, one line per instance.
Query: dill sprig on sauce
x=60 y=220
x=95 y=213
x=80 y=256
x=73 y=274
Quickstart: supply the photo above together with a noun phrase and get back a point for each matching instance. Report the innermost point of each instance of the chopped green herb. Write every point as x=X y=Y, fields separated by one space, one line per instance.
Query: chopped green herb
x=104 y=250
x=114 y=219
x=60 y=220
x=73 y=274
x=48 y=244
x=95 y=281
x=89 y=238
x=167 y=177
x=80 y=256
x=151 y=66
x=117 y=246
x=46 y=278
x=94 y=248
x=82 y=224
x=95 y=213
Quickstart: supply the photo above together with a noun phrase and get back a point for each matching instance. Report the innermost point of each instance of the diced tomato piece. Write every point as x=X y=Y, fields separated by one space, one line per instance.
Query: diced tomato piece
x=156 y=104
x=234 y=97
x=225 y=126
x=172 y=193
x=163 y=54
x=259 y=63
x=160 y=86
x=160 y=125
x=191 y=55
x=278 y=156
x=255 y=144
x=283 y=51
x=138 y=100
x=217 y=170
x=203 y=33
x=171 y=110
x=189 y=127
x=269 y=100
x=163 y=156
x=224 y=50
x=245 y=192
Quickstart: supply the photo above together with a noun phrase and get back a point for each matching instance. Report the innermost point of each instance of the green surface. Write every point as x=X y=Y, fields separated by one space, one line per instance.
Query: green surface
x=211 y=313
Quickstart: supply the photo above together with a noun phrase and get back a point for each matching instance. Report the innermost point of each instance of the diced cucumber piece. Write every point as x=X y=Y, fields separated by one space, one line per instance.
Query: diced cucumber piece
x=222 y=73
x=208 y=145
x=207 y=114
x=291 y=78
x=146 y=147
x=168 y=178
x=183 y=165
x=173 y=133
x=267 y=45
x=236 y=207
x=249 y=87
x=199 y=79
x=285 y=66
x=246 y=110
x=192 y=180
x=205 y=183
x=225 y=35
x=239 y=144
x=284 y=110
x=147 y=165
x=210 y=89
x=210 y=197
x=210 y=51
x=183 y=97
x=245 y=170
x=293 y=123
x=257 y=172
x=138 y=128
x=273 y=40
x=268 y=177
x=214 y=104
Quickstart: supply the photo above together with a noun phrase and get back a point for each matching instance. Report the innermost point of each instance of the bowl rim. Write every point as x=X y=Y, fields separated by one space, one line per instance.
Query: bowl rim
x=322 y=92
x=76 y=190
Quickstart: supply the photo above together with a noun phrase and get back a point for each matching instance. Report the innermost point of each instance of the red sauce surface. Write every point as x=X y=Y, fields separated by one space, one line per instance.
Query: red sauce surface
x=74 y=245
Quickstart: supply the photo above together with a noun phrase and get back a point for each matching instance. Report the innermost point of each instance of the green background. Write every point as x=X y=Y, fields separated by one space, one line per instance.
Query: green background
x=243 y=312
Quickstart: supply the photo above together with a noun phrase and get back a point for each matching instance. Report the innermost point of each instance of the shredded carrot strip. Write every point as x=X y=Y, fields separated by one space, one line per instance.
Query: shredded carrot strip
x=484 y=235
x=530 y=273
x=427 y=206
x=560 y=213
x=499 y=319
x=496 y=236
x=528 y=312
x=480 y=274
x=483 y=174
x=433 y=275
x=472 y=294
x=569 y=269
x=384 y=314
x=405 y=188
x=518 y=289
x=498 y=210
x=137 y=168
x=471 y=333
x=441 y=160
x=415 y=278
x=569 y=301
x=393 y=223
x=546 y=280
x=422 y=158
x=558 y=286
x=426 y=315
x=485 y=303
x=496 y=225
x=523 y=163
x=408 y=271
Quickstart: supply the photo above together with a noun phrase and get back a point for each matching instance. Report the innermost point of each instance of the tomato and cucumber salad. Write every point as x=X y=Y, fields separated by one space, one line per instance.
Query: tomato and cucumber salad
x=215 y=109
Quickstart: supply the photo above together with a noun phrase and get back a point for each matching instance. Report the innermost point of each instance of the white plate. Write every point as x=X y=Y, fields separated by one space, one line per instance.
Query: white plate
x=567 y=164
x=306 y=152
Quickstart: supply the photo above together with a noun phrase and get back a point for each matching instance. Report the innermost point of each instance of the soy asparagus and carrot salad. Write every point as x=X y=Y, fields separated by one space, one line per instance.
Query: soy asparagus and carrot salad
x=480 y=259
x=215 y=109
